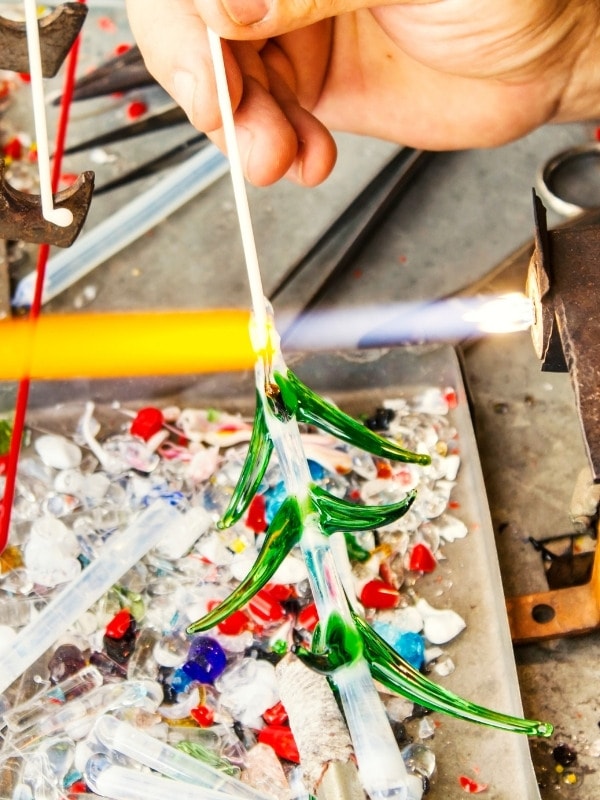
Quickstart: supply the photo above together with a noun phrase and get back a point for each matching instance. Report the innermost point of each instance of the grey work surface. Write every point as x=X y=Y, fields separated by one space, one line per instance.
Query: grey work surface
x=464 y=214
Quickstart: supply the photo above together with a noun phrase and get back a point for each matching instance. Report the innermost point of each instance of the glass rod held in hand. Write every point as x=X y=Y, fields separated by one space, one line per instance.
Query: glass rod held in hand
x=259 y=306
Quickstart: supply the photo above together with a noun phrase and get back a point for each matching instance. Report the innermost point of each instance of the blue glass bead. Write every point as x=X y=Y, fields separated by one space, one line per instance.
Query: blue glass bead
x=207 y=660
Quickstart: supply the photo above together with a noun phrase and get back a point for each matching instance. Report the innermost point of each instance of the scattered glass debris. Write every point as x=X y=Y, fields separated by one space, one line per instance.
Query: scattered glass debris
x=85 y=297
x=213 y=696
x=136 y=109
x=5 y=434
x=564 y=755
x=471 y=786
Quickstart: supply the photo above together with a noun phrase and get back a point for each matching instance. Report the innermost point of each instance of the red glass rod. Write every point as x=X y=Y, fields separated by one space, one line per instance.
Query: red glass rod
x=22 y=398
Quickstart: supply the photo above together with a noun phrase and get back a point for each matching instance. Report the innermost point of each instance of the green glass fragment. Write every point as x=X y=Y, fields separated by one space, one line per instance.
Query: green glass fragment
x=256 y=462
x=5 y=434
x=201 y=753
x=284 y=533
x=336 y=514
x=390 y=669
x=131 y=600
x=310 y=408
x=213 y=415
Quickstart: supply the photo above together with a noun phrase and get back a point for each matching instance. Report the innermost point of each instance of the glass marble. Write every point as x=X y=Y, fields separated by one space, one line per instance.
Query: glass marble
x=206 y=660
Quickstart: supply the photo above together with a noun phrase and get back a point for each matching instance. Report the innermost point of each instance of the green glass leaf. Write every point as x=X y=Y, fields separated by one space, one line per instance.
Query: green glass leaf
x=355 y=551
x=336 y=514
x=335 y=645
x=284 y=533
x=390 y=669
x=310 y=408
x=256 y=462
x=319 y=662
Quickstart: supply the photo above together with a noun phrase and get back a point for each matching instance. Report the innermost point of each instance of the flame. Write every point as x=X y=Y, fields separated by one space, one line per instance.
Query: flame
x=507 y=313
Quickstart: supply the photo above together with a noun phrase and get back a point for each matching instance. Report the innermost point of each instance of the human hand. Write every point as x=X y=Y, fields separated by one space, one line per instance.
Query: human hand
x=437 y=74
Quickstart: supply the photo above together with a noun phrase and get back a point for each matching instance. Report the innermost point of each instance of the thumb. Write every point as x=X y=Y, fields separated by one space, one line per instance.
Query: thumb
x=173 y=40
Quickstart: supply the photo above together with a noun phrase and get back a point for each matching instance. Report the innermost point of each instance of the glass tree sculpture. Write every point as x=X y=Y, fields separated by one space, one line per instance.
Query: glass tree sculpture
x=344 y=646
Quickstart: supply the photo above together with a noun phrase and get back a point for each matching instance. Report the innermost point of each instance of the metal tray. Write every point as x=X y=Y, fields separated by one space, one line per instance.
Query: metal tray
x=485 y=670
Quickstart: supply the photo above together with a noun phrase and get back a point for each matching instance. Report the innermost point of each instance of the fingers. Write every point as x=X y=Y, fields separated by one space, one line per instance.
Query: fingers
x=173 y=40
x=276 y=136
x=315 y=148
x=244 y=19
x=266 y=140
x=281 y=137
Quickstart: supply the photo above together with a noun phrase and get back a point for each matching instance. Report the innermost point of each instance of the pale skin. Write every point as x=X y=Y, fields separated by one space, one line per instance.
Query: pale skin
x=432 y=74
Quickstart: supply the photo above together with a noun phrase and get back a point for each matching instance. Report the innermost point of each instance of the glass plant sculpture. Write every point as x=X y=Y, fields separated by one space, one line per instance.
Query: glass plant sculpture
x=344 y=646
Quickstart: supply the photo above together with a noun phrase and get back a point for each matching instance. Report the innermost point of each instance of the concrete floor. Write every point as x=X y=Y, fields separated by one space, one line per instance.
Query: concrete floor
x=463 y=215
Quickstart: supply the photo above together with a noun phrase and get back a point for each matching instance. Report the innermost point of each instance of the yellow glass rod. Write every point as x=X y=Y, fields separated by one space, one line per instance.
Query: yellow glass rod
x=116 y=345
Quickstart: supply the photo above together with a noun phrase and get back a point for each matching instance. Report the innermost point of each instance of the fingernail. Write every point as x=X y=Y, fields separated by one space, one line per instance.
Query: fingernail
x=294 y=173
x=184 y=88
x=246 y=12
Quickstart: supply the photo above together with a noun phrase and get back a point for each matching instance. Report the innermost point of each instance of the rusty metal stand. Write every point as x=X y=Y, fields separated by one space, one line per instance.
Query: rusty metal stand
x=562 y=281
x=556 y=613
x=21 y=213
x=58 y=31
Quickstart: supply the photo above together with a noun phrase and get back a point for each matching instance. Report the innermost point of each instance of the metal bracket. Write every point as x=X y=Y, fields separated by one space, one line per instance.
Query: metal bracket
x=21 y=213
x=556 y=613
x=58 y=31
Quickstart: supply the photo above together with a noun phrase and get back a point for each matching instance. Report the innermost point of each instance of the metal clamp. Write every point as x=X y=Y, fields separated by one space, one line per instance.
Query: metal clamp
x=21 y=213
x=58 y=31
